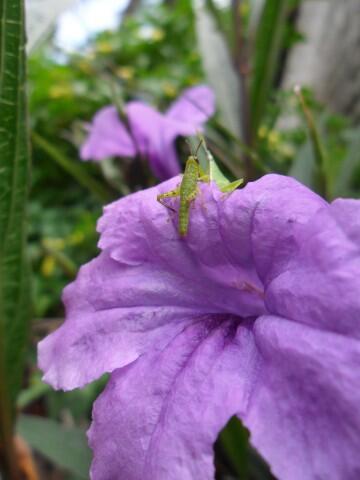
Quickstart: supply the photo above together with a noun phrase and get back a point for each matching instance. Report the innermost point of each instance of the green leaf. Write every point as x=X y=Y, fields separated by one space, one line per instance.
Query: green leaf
x=67 y=447
x=218 y=68
x=245 y=461
x=14 y=181
x=209 y=166
x=303 y=167
x=32 y=393
x=234 y=439
x=349 y=165
x=268 y=44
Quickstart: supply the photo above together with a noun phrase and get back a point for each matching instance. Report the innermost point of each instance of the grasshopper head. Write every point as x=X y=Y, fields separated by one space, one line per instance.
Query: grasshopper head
x=193 y=159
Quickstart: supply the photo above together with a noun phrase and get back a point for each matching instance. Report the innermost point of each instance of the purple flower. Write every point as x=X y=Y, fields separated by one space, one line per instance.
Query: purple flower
x=152 y=134
x=255 y=313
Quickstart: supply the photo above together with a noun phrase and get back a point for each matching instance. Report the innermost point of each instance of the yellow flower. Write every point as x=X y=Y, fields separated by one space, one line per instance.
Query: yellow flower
x=157 y=35
x=126 y=73
x=48 y=266
x=61 y=91
x=169 y=90
x=104 y=47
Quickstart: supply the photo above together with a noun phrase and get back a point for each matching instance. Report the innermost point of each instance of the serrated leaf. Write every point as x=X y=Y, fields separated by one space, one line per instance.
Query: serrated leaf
x=66 y=447
x=14 y=181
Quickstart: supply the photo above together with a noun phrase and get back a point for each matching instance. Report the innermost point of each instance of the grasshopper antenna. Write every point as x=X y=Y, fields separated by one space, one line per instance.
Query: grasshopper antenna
x=197 y=148
x=194 y=154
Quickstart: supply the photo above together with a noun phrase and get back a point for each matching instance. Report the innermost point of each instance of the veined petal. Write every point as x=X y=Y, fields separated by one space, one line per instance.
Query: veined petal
x=159 y=417
x=108 y=137
x=143 y=288
x=148 y=281
x=303 y=414
x=295 y=388
x=270 y=212
x=149 y=233
x=107 y=326
x=319 y=283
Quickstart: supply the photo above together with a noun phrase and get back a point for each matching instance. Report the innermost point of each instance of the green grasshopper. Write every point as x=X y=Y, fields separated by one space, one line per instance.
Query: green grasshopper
x=188 y=190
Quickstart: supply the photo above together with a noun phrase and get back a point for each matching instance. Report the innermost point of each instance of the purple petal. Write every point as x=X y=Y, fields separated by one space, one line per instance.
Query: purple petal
x=154 y=136
x=159 y=417
x=146 y=264
x=272 y=249
x=108 y=137
x=319 y=282
x=294 y=387
x=194 y=107
x=105 y=327
x=304 y=414
x=139 y=293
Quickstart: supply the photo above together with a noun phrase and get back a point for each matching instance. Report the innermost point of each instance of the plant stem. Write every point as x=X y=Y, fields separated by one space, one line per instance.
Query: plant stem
x=318 y=149
x=242 y=68
x=74 y=168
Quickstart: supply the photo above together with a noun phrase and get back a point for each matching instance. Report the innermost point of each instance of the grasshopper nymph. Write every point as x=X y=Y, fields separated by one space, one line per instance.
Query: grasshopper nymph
x=187 y=191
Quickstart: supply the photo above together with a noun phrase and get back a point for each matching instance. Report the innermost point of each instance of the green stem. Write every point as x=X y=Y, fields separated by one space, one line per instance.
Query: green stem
x=76 y=170
x=243 y=69
x=317 y=146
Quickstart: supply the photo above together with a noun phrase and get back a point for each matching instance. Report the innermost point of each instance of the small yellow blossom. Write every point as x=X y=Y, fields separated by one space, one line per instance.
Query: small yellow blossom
x=104 y=47
x=125 y=73
x=61 y=91
x=48 y=266
x=169 y=90
x=75 y=238
x=157 y=35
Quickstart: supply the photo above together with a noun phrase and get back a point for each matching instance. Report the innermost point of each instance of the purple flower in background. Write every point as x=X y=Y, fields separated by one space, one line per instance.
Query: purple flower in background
x=255 y=313
x=152 y=134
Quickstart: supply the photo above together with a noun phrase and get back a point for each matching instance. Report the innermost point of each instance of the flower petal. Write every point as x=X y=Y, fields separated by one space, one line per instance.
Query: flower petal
x=149 y=281
x=144 y=287
x=201 y=260
x=304 y=414
x=107 y=326
x=269 y=211
x=296 y=389
x=108 y=137
x=319 y=283
x=154 y=136
x=159 y=417
x=194 y=107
